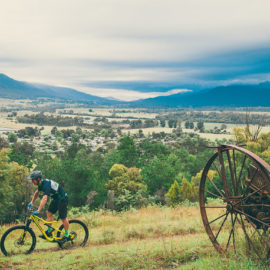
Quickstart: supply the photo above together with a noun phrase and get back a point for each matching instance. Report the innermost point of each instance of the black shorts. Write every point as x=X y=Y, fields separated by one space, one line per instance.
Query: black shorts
x=61 y=206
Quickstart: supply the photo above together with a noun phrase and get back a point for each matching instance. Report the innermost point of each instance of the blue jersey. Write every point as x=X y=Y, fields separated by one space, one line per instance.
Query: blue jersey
x=52 y=189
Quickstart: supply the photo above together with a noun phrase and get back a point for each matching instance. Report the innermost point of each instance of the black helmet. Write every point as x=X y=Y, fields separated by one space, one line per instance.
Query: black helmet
x=35 y=175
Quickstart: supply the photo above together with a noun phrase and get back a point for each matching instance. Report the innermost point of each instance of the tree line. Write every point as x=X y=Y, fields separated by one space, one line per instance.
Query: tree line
x=132 y=173
x=43 y=119
x=81 y=171
x=219 y=117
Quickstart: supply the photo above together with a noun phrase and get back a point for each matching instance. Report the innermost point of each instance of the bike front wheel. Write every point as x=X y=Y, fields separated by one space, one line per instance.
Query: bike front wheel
x=18 y=240
x=78 y=232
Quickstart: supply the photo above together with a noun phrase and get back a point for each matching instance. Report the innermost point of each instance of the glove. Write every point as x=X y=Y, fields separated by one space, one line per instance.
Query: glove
x=29 y=205
x=36 y=213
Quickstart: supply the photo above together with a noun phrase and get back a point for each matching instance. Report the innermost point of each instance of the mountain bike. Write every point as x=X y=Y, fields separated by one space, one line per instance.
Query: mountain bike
x=21 y=239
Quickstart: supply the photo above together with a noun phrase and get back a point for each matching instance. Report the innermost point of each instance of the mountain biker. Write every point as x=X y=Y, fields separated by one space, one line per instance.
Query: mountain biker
x=59 y=202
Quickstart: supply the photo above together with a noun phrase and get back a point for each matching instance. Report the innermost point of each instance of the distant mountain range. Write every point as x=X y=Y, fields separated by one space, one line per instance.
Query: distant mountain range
x=232 y=95
x=10 y=88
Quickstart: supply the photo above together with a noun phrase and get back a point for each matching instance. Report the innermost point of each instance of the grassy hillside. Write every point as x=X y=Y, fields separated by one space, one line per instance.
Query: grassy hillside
x=151 y=238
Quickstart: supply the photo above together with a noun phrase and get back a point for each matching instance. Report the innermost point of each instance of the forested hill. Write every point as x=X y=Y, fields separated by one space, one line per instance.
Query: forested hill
x=233 y=95
x=10 y=88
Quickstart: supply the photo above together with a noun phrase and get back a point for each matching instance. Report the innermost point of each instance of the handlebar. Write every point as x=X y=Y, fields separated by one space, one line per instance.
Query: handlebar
x=30 y=210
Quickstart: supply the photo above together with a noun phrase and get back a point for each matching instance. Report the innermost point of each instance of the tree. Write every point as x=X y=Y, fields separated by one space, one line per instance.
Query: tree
x=200 y=126
x=54 y=130
x=162 y=123
x=128 y=153
x=188 y=191
x=75 y=138
x=54 y=146
x=119 y=131
x=117 y=170
x=223 y=126
x=185 y=165
x=172 y=123
x=178 y=131
x=22 y=153
x=3 y=143
x=136 y=124
x=79 y=131
x=158 y=173
x=149 y=123
x=140 y=133
x=124 y=178
x=195 y=182
x=127 y=186
x=14 y=189
x=174 y=194
x=148 y=150
x=29 y=132
x=12 y=137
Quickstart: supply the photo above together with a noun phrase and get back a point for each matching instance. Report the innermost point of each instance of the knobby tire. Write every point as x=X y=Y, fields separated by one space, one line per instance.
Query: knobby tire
x=19 y=227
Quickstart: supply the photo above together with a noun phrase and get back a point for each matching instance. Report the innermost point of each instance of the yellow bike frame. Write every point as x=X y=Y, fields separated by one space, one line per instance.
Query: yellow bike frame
x=51 y=224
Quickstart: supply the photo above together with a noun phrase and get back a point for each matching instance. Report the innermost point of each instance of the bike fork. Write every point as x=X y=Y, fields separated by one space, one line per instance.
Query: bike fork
x=27 y=226
x=28 y=223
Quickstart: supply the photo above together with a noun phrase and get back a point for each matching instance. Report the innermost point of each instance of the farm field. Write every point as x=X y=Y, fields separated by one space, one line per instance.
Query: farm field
x=238 y=111
x=150 y=238
x=89 y=115
x=230 y=127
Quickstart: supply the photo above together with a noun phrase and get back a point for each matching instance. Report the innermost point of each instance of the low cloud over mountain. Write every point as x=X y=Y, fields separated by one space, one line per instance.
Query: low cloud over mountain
x=10 y=88
x=242 y=95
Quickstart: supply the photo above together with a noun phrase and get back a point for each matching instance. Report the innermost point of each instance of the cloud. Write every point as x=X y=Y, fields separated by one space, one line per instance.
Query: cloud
x=128 y=95
x=176 y=43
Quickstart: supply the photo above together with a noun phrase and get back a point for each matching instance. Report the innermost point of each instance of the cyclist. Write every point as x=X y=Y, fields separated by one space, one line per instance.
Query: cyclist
x=59 y=202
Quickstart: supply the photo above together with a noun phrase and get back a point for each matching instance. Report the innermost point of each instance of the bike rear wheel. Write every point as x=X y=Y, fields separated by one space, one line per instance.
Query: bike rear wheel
x=79 y=234
x=18 y=240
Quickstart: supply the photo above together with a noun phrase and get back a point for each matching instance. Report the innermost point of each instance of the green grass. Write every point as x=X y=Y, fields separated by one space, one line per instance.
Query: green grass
x=151 y=238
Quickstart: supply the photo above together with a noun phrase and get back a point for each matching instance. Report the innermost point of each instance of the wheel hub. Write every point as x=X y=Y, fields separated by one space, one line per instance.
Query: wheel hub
x=230 y=207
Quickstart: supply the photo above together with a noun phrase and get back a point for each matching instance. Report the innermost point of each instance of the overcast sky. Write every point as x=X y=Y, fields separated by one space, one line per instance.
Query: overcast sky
x=135 y=48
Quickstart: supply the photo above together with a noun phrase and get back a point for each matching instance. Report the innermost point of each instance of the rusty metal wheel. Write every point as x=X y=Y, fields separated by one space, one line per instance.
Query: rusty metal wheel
x=234 y=201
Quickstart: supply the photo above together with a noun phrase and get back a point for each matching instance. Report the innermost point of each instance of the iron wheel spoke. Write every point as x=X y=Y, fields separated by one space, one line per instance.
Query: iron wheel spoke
x=251 y=194
x=214 y=206
x=231 y=172
x=217 y=218
x=233 y=222
x=240 y=174
x=219 y=173
x=234 y=166
x=250 y=244
x=223 y=174
x=249 y=216
x=216 y=188
x=214 y=195
x=221 y=226
x=231 y=233
x=249 y=184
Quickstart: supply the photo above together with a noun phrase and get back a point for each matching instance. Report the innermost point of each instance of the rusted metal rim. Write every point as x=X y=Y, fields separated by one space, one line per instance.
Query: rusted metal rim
x=263 y=164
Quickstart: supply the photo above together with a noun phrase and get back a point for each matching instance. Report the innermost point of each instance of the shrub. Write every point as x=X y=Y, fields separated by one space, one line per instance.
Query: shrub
x=174 y=194
x=130 y=200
